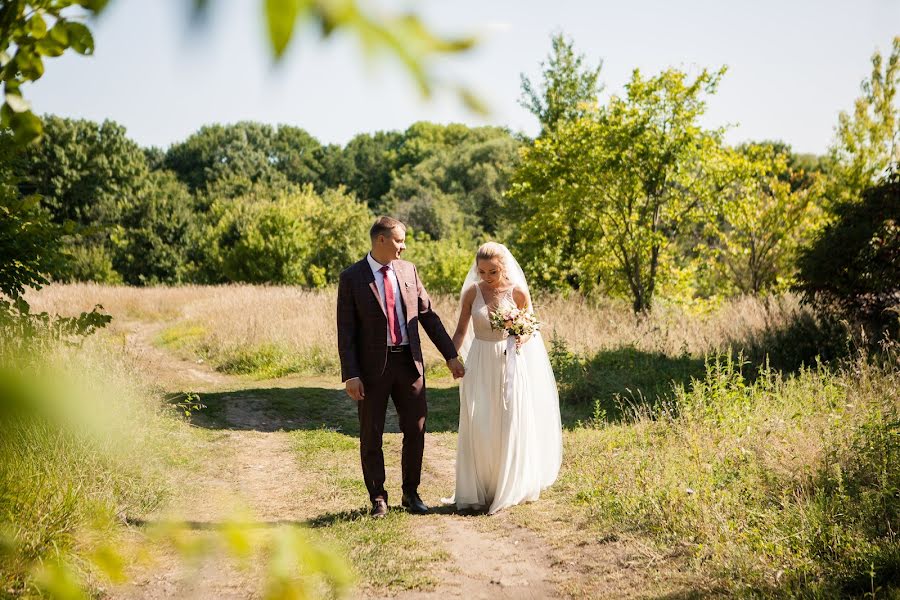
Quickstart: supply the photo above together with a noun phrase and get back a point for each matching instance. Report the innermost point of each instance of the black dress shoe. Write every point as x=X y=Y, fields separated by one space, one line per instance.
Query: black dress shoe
x=414 y=504
x=379 y=508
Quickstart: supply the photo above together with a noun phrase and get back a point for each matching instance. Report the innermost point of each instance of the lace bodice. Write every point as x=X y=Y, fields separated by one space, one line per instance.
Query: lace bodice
x=481 y=323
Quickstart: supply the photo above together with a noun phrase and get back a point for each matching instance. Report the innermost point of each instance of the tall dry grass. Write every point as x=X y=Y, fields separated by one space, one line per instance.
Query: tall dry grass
x=274 y=330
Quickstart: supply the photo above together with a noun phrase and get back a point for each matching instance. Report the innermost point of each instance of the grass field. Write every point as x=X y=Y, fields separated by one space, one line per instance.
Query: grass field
x=687 y=470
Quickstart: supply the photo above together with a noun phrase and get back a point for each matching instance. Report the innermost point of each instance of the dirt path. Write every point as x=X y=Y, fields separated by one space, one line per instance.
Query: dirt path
x=255 y=463
x=504 y=561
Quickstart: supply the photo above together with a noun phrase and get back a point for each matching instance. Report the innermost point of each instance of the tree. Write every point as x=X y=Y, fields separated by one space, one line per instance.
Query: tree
x=569 y=89
x=853 y=266
x=29 y=240
x=159 y=231
x=85 y=172
x=452 y=178
x=247 y=151
x=600 y=199
x=299 y=238
x=765 y=219
x=365 y=166
x=867 y=141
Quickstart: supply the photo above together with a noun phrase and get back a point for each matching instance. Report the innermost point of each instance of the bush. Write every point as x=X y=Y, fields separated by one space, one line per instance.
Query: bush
x=300 y=238
x=160 y=227
x=442 y=264
x=853 y=268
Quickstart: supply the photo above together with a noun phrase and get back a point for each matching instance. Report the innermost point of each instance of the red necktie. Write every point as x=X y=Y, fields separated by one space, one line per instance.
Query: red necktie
x=393 y=323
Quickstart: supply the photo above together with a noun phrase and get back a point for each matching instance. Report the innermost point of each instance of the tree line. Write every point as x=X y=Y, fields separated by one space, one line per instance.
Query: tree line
x=624 y=195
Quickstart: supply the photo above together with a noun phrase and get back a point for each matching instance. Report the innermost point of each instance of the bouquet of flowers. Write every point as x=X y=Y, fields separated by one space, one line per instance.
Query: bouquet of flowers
x=516 y=321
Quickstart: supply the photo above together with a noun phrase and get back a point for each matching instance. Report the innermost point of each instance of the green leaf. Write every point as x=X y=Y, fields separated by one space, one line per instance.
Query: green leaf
x=49 y=46
x=80 y=38
x=472 y=101
x=26 y=126
x=93 y=5
x=281 y=16
x=59 y=33
x=36 y=26
x=17 y=103
x=30 y=64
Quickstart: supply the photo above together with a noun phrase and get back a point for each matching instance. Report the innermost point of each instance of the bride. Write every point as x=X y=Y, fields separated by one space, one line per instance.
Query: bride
x=510 y=438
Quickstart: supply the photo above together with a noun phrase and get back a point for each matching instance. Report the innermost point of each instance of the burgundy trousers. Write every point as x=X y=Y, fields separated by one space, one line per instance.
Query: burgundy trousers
x=402 y=382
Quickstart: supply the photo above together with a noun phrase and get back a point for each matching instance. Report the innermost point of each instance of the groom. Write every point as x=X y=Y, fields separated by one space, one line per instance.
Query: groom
x=381 y=303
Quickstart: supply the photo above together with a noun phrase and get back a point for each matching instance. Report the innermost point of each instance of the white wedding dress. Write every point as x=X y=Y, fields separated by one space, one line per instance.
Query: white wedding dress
x=510 y=439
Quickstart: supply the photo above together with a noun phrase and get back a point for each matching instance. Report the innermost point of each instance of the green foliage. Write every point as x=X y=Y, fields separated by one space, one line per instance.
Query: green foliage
x=853 y=267
x=87 y=260
x=272 y=360
x=867 y=140
x=364 y=166
x=29 y=242
x=767 y=216
x=402 y=35
x=598 y=202
x=31 y=31
x=88 y=176
x=568 y=91
x=140 y=216
x=615 y=381
x=244 y=154
x=452 y=178
x=85 y=172
x=38 y=29
x=30 y=249
x=298 y=238
x=775 y=486
x=442 y=264
x=160 y=229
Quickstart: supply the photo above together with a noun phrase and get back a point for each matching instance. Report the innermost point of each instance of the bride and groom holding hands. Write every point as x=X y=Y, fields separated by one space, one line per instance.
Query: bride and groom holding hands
x=510 y=440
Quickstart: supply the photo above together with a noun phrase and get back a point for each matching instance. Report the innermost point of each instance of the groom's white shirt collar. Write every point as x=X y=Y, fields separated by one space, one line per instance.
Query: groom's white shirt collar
x=375 y=265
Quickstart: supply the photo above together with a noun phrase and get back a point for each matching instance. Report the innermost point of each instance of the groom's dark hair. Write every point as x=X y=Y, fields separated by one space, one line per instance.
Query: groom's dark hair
x=384 y=225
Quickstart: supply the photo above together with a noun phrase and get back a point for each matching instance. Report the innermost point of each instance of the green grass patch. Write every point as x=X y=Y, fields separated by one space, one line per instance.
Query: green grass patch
x=272 y=360
x=386 y=554
x=613 y=380
x=85 y=444
x=775 y=485
x=181 y=336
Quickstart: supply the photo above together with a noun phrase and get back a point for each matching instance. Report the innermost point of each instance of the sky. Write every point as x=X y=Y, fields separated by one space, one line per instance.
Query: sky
x=793 y=65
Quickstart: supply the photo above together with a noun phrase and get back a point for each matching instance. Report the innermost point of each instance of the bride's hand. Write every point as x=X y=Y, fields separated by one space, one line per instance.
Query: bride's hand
x=521 y=340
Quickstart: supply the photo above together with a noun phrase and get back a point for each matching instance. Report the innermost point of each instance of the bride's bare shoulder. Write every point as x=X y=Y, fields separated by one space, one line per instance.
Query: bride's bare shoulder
x=520 y=296
x=468 y=295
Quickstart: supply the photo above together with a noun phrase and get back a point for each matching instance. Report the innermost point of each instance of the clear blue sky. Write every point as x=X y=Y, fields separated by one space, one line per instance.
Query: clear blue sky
x=793 y=65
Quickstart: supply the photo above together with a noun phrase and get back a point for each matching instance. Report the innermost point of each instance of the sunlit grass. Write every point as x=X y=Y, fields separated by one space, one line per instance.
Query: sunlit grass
x=782 y=485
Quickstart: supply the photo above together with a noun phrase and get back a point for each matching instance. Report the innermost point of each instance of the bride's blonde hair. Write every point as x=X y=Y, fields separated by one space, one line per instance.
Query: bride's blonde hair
x=490 y=250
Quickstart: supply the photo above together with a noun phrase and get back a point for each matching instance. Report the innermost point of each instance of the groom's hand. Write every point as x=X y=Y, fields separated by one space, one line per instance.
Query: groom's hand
x=456 y=368
x=355 y=389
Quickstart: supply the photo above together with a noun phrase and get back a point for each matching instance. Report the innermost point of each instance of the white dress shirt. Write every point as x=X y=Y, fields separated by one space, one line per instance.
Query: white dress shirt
x=398 y=299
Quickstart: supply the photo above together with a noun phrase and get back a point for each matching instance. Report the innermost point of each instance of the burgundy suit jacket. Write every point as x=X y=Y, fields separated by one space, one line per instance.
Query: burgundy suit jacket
x=362 y=320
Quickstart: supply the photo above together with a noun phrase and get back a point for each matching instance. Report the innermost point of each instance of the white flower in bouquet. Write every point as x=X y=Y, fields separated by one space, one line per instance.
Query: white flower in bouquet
x=514 y=320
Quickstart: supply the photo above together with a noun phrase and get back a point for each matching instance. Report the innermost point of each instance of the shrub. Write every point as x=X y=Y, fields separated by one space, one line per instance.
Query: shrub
x=299 y=238
x=853 y=268
x=442 y=264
